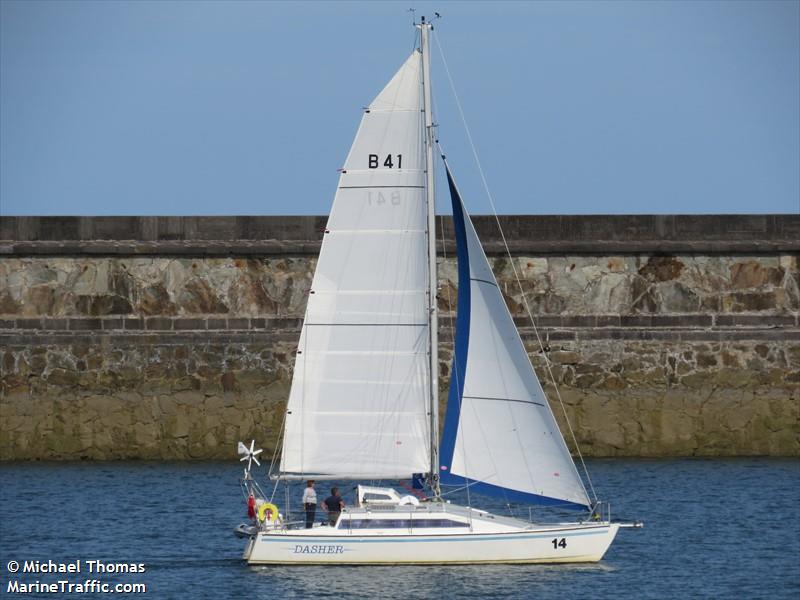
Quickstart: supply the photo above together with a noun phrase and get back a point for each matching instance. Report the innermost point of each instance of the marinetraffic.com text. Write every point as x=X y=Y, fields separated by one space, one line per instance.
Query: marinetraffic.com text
x=73 y=577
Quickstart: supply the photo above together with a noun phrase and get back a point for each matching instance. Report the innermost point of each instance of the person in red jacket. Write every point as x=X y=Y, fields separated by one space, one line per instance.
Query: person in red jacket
x=251 y=507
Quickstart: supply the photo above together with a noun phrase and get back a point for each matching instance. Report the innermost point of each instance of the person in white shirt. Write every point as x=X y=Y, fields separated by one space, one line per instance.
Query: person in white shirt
x=310 y=503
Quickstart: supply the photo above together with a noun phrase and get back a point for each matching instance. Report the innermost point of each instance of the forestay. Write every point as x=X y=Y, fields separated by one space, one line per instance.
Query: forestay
x=359 y=397
x=500 y=435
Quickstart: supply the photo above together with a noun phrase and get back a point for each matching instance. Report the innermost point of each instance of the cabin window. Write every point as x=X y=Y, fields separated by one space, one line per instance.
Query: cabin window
x=438 y=523
x=397 y=523
x=373 y=496
x=375 y=524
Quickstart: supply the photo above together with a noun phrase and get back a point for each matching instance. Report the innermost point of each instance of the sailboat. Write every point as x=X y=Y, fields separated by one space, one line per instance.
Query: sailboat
x=364 y=398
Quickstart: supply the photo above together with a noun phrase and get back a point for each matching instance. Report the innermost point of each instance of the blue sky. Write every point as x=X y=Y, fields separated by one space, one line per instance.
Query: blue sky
x=248 y=108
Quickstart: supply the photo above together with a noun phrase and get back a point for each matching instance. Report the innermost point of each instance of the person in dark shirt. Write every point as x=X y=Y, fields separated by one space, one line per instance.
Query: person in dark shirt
x=334 y=505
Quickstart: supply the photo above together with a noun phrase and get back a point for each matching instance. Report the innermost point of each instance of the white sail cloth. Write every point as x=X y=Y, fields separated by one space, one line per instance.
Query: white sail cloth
x=358 y=406
x=500 y=434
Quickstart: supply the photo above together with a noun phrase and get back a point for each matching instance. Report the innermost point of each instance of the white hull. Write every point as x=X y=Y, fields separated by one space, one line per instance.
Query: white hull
x=563 y=543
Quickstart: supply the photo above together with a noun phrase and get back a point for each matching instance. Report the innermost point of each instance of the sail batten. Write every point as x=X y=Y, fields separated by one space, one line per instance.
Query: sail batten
x=500 y=436
x=504 y=400
x=359 y=398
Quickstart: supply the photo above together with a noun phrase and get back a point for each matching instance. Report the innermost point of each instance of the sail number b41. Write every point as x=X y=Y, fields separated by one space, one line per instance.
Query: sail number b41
x=559 y=543
x=374 y=161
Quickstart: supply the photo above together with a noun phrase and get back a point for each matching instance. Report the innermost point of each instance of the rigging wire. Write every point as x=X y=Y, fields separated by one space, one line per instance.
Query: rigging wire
x=278 y=443
x=417 y=32
x=547 y=363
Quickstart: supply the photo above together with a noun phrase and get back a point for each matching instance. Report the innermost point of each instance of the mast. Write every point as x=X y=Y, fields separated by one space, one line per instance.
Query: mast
x=425 y=29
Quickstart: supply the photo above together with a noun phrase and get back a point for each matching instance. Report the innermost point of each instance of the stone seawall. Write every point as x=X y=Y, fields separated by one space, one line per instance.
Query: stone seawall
x=174 y=337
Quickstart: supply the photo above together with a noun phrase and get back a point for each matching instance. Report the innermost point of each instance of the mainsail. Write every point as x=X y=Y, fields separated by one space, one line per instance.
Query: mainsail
x=358 y=406
x=500 y=435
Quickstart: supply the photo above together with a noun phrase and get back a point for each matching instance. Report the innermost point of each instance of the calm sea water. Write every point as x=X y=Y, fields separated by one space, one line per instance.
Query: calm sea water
x=713 y=529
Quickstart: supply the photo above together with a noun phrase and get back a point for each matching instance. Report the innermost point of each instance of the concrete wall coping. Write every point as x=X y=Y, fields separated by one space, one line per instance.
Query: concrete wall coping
x=302 y=235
